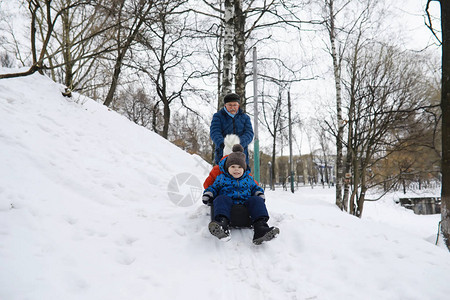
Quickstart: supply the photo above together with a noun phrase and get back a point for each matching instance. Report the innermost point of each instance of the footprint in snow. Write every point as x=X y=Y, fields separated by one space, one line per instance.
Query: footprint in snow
x=124 y=258
x=126 y=240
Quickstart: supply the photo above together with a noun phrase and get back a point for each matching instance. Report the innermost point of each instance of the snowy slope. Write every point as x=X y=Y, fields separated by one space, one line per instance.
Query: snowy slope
x=89 y=210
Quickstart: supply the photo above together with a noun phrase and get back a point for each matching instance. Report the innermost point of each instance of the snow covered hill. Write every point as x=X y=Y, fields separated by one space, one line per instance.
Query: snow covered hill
x=95 y=207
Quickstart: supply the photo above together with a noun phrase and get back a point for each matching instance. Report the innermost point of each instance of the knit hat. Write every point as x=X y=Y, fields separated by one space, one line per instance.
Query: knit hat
x=232 y=98
x=237 y=157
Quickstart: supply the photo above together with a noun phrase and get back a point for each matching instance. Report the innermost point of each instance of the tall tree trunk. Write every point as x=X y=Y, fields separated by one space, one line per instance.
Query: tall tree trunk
x=161 y=90
x=355 y=178
x=346 y=184
x=340 y=125
x=351 y=153
x=361 y=199
x=227 y=50
x=155 y=111
x=363 y=188
x=67 y=48
x=33 y=6
x=445 y=107
x=239 y=50
x=115 y=77
x=165 y=132
x=219 y=75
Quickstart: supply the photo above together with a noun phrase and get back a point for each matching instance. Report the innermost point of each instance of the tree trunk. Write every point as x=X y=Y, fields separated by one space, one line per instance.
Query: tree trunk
x=445 y=107
x=115 y=78
x=340 y=125
x=67 y=48
x=239 y=50
x=348 y=162
x=361 y=199
x=355 y=184
x=227 y=50
x=165 y=132
x=363 y=188
x=155 y=117
x=219 y=75
x=161 y=89
x=347 y=182
x=33 y=7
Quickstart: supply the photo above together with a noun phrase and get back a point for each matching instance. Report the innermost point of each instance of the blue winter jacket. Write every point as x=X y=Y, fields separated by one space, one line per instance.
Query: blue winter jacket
x=239 y=189
x=222 y=124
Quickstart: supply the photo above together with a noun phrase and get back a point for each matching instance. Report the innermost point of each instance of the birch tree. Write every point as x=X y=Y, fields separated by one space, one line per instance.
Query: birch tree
x=227 y=58
x=336 y=55
x=240 y=21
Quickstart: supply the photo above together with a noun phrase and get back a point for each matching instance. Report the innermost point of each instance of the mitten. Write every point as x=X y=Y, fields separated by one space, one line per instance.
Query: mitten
x=207 y=198
x=260 y=194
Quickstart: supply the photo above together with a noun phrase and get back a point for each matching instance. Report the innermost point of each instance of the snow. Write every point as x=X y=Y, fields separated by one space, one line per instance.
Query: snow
x=93 y=206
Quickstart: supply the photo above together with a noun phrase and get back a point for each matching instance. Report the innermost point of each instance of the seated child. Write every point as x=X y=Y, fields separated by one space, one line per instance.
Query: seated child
x=236 y=186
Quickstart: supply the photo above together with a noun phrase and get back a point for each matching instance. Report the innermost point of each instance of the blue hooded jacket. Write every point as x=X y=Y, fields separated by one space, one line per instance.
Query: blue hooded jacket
x=239 y=189
x=222 y=124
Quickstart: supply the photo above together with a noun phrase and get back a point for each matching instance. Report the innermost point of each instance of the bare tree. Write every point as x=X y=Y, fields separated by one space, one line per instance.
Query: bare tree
x=141 y=108
x=6 y=60
x=71 y=37
x=272 y=113
x=340 y=36
x=383 y=91
x=41 y=10
x=165 y=53
x=82 y=39
x=130 y=18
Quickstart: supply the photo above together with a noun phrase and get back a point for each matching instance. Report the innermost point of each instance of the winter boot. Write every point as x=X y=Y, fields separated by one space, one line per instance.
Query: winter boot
x=263 y=232
x=219 y=227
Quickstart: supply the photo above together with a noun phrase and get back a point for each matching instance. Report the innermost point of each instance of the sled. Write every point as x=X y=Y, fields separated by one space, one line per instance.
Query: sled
x=240 y=218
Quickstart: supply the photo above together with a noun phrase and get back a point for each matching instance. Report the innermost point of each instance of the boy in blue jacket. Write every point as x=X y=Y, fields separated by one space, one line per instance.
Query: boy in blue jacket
x=236 y=186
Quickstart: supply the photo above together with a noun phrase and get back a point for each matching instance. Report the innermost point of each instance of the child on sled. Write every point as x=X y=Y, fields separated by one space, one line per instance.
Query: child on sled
x=235 y=186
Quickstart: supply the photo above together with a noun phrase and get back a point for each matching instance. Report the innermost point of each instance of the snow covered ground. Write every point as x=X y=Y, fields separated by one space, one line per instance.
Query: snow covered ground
x=94 y=207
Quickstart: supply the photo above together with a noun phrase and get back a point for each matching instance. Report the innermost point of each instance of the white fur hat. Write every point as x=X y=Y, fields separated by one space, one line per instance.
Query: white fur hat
x=229 y=141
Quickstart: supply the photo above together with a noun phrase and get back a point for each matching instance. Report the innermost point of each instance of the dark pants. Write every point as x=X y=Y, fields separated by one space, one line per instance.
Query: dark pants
x=255 y=205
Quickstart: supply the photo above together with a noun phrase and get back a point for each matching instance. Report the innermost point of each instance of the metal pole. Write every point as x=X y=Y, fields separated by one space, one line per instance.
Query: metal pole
x=270 y=175
x=291 y=162
x=255 y=120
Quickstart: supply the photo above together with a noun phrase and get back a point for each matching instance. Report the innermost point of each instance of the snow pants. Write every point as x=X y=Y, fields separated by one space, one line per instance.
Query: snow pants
x=255 y=205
